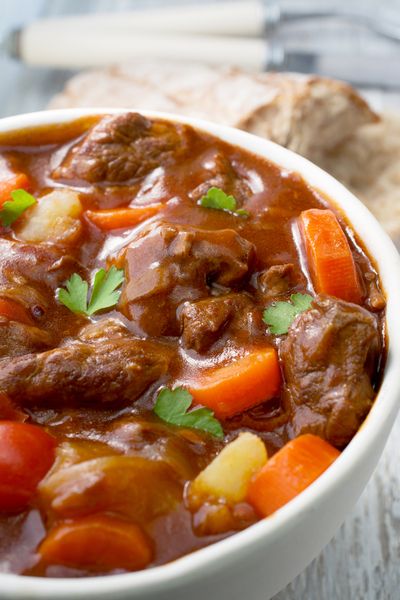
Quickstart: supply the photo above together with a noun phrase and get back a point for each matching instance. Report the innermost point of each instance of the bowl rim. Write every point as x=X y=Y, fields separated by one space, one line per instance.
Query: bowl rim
x=220 y=554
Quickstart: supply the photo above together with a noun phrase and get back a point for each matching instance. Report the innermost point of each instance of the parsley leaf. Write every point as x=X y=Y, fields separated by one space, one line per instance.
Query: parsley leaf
x=75 y=296
x=172 y=407
x=280 y=315
x=216 y=198
x=13 y=209
x=104 y=292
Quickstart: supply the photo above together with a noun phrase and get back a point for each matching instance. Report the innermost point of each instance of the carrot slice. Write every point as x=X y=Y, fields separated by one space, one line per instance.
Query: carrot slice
x=289 y=472
x=98 y=543
x=14 y=311
x=14 y=181
x=118 y=218
x=240 y=385
x=331 y=262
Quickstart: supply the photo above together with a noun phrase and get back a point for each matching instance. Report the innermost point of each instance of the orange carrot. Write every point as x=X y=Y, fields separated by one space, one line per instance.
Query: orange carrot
x=331 y=262
x=289 y=472
x=240 y=385
x=118 y=218
x=98 y=543
x=13 y=181
x=14 y=311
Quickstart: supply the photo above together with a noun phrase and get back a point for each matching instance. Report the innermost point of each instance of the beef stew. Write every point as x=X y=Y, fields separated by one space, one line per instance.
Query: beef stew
x=190 y=336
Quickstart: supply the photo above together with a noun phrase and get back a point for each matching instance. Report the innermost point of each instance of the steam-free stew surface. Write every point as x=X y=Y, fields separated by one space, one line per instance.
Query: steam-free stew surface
x=196 y=283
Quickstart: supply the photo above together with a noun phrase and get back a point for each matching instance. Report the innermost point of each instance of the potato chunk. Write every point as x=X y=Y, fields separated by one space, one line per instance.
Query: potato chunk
x=55 y=218
x=228 y=475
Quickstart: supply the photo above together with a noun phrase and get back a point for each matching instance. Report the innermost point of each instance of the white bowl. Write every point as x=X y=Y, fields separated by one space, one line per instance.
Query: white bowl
x=259 y=561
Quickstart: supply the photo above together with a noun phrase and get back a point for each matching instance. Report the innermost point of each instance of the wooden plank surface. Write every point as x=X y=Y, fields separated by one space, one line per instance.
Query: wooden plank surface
x=363 y=559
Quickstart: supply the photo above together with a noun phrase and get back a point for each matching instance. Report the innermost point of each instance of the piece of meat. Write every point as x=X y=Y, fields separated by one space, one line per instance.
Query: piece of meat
x=40 y=266
x=18 y=338
x=121 y=148
x=218 y=172
x=30 y=275
x=205 y=321
x=106 y=371
x=328 y=358
x=275 y=281
x=169 y=264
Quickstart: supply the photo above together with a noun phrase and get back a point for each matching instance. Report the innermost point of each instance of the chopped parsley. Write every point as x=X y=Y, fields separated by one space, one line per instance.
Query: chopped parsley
x=217 y=199
x=172 y=407
x=13 y=209
x=280 y=315
x=104 y=292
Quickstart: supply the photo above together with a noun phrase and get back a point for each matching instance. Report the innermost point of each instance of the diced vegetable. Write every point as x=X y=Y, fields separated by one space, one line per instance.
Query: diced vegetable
x=118 y=218
x=236 y=387
x=331 y=262
x=55 y=218
x=229 y=474
x=131 y=486
x=26 y=454
x=10 y=182
x=289 y=472
x=14 y=311
x=97 y=543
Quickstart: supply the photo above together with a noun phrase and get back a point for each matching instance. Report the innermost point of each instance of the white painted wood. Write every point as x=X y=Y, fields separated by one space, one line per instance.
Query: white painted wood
x=362 y=562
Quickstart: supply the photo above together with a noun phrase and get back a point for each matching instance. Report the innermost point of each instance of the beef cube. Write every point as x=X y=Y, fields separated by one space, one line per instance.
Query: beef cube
x=219 y=172
x=275 y=281
x=203 y=322
x=103 y=370
x=170 y=264
x=19 y=338
x=121 y=148
x=328 y=358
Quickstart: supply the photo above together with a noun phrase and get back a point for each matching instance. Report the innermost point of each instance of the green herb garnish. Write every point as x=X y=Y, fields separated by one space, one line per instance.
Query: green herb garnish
x=280 y=315
x=13 y=209
x=217 y=199
x=172 y=406
x=104 y=292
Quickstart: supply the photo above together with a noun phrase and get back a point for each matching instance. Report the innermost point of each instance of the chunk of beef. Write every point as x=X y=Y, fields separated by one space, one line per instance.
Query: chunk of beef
x=122 y=147
x=218 y=172
x=328 y=357
x=275 y=281
x=95 y=370
x=30 y=275
x=204 y=321
x=38 y=266
x=18 y=338
x=169 y=264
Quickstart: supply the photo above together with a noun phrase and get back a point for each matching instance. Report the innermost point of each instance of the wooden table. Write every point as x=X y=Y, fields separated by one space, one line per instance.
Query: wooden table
x=362 y=562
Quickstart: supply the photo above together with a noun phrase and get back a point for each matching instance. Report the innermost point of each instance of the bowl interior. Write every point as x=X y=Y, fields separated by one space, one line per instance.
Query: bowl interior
x=218 y=555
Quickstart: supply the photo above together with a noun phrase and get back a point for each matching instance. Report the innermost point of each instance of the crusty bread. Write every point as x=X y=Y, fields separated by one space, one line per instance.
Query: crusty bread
x=368 y=163
x=324 y=120
x=307 y=114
